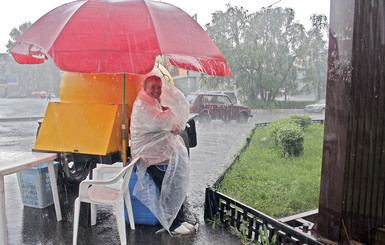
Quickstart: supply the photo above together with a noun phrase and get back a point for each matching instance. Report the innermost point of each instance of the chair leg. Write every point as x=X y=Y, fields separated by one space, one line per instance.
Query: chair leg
x=127 y=200
x=119 y=210
x=76 y=221
x=93 y=214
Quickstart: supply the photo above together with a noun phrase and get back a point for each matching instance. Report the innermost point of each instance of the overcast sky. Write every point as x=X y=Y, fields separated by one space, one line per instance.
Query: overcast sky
x=16 y=12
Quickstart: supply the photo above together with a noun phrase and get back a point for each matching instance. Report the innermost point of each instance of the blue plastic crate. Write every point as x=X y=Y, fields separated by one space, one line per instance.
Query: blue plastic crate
x=142 y=215
x=35 y=186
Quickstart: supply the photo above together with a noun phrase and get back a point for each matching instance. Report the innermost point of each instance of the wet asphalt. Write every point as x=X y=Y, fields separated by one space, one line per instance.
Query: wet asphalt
x=218 y=142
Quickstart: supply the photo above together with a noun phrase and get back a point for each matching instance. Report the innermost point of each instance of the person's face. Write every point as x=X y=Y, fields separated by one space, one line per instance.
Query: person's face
x=154 y=89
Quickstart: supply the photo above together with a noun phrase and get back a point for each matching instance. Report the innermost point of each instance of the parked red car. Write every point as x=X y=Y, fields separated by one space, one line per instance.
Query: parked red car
x=211 y=106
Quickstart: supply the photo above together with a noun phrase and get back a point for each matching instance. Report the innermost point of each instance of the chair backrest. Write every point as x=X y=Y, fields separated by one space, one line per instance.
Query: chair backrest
x=126 y=172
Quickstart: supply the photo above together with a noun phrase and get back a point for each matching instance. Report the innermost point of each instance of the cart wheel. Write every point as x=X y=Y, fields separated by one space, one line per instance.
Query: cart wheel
x=71 y=173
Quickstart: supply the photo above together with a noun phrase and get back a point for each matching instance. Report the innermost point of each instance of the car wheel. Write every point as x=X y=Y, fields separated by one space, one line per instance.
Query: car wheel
x=204 y=117
x=242 y=118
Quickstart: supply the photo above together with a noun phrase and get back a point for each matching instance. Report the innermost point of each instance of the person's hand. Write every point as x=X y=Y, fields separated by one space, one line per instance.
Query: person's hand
x=175 y=129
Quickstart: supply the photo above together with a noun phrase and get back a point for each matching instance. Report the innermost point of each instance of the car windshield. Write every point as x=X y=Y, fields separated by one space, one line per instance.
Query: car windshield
x=191 y=97
x=232 y=97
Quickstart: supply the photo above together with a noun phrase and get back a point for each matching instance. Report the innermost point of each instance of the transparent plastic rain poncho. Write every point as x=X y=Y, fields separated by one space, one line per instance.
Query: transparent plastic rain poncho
x=152 y=139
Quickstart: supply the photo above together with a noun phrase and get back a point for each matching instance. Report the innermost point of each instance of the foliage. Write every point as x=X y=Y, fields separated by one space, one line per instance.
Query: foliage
x=291 y=139
x=266 y=52
x=288 y=104
x=276 y=125
x=291 y=104
x=314 y=66
x=17 y=32
x=302 y=120
x=260 y=104
x=273 y=40
x=227 y=30
x=288 y=135
x=215 y=221
x=242 y=234
x=274 y=184
x=264 y=237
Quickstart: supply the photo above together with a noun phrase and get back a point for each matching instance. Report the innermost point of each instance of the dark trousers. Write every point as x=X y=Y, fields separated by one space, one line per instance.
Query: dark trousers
x=157 y=176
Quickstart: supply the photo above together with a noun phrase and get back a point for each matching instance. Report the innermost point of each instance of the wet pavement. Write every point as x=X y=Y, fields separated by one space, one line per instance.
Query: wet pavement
x=217 y=144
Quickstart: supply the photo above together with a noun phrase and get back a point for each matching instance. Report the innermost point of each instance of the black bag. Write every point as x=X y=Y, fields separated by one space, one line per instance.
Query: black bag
x=191 y=132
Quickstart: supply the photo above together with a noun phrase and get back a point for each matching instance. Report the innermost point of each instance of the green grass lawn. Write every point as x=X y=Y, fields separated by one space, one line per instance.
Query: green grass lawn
x=279 y=186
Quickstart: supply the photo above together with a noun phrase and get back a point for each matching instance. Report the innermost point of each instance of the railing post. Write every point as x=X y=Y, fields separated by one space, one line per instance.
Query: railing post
x=211 y=204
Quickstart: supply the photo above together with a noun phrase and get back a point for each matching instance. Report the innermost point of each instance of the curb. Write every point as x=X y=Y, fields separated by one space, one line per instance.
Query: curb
x=16 y=119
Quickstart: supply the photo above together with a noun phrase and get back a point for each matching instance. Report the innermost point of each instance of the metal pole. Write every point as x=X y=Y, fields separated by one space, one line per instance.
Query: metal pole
x=124 y=142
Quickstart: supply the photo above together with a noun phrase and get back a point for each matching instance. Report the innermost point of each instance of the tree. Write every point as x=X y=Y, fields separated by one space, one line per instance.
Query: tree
x=261 y=49
x=227 y=31
x=315 y=65
x=273 y=43
x=17 y=32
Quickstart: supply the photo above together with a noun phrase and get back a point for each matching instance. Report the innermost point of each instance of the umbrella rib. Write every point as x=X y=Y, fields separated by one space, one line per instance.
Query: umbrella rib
x=152 y=22
x=199 y=57
x=29 y=44
x=66 y=25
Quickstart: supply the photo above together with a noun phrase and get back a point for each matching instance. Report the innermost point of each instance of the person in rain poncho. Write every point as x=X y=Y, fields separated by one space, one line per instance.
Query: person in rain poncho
x=163 y=171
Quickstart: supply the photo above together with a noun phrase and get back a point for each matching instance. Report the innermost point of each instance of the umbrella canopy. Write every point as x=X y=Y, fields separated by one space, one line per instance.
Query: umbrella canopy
x=109 y=36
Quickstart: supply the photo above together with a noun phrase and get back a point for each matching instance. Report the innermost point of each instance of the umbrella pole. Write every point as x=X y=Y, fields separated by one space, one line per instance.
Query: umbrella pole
x=124 y=142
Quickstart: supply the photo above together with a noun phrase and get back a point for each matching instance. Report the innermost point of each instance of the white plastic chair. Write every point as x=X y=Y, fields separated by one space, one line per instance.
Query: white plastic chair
x=97 y=192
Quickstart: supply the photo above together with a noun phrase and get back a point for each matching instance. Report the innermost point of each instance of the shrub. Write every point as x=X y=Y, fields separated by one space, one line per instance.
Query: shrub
x=291 y=139
x=302 y=120
x=288 y=135
x=291 y=104
x=288 y=104
x=276 y=125
x=259 y=104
